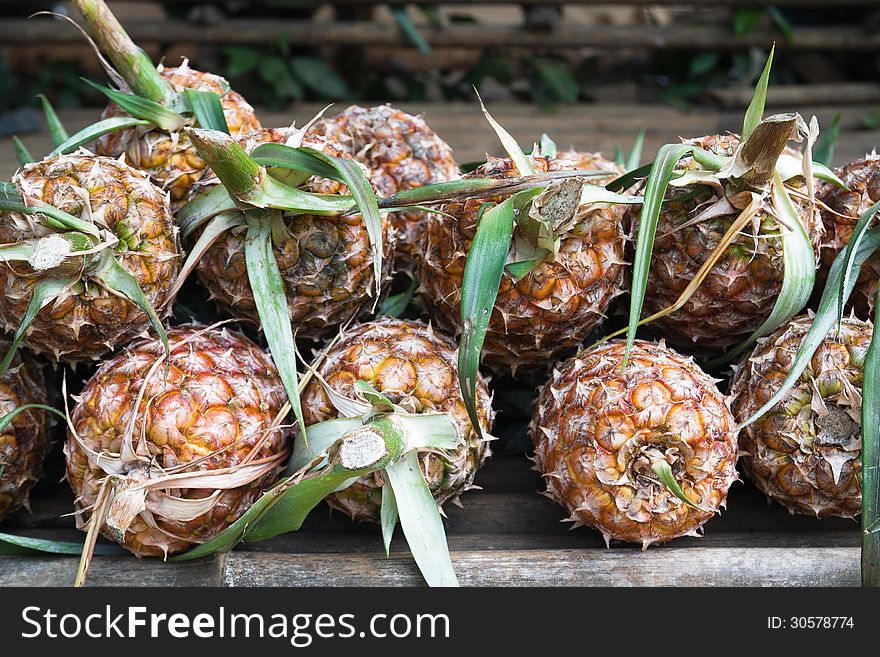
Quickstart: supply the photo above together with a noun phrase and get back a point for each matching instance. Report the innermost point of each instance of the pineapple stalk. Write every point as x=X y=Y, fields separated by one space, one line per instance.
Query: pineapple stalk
x=241 y=176
x=131 y=62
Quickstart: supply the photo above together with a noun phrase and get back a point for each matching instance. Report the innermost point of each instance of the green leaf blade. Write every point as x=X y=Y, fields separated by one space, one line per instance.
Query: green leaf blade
x=871 y=460
x=57 y=132
x=208 y=109
x=483 y=270
x=655 y=192
x=755 y=111
x=421 y=521
x=270 y=297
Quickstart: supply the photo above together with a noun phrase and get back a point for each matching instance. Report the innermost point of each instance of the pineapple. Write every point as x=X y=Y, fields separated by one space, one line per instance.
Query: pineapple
x=402 y=153
x=146 y=432
x=326 y=262
x=550 y=309
x=415 y=367
x=601 y=436
x=741 y=289
x=805 y=452
x=840 y=216
x=169 y=158
x=25 y=442
x=134 y=238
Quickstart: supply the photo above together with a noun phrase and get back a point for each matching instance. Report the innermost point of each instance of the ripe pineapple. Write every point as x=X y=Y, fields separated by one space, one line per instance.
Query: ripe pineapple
x=862 y=177
x=87 y=318
x=401 y=152
x=550 y=309
x=415 y=367
x=600 y=432
x=170 y=159
x=213 y=410
x=740 y=290
x=326 y=262
x=805 y=452
x=25 y=442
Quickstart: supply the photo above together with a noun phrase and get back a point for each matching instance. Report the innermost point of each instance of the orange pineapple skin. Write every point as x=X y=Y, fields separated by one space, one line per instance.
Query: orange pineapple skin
x=171 y=160
x=862 y=177
x=548 y=311
x=401 y=151
x=220 y=391
x=327 y=262
x=792 y=452
x=595 y=429
x=86 y=320
x=416 y=367
x=26 y=441
x=739 y=292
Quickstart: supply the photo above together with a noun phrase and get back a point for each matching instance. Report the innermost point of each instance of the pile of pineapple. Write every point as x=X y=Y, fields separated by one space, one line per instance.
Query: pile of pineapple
x=175 y=440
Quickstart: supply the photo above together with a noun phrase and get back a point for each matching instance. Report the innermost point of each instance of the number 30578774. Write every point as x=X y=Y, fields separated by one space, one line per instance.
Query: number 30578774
x=810 y=623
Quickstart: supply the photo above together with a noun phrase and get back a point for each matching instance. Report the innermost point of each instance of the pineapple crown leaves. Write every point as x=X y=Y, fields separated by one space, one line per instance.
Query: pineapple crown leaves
x=760 y=168
x=73 y=249
x=338 y=453
x=543 y=215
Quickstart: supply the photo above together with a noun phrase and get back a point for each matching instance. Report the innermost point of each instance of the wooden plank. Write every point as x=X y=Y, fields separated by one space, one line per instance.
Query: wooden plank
x=597 y=567
x=374 y=33
x=509 y=504
x=616 y=3
x=109 y=571
x=793 y=95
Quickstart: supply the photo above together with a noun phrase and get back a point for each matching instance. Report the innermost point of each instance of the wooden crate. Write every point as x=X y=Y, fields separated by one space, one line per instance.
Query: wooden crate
x=507 y=533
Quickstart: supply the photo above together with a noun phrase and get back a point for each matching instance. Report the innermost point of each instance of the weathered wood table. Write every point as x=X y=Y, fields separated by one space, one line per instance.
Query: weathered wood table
x=507 y=533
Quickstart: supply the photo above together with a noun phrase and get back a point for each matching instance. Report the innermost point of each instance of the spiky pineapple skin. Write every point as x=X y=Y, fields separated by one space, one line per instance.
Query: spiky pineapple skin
x=326 y=263
x=740 y=290
x=792 y=452
x=416 y=367
x=401 y=151
x=220 y=392
x=26 y=441
x=87 y=320
x=548 y=311
x=845 y=207
x=171 y=160
x=595 y=427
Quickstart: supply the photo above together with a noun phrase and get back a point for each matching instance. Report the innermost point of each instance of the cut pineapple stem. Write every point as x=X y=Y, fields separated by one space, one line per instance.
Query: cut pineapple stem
x=240 y=175
x=130 y=61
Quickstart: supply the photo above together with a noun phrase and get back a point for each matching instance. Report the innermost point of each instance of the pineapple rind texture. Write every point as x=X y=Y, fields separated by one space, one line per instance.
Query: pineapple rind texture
x=548 y=311
x=845 y=208
x=416 y=367
x=326 y=263
x=220 y=392
x=597 y=429
x=805 y=452
x=170 y=159
x=87 y=320
x=401 y=151
x=741 y=289
x=25 y=442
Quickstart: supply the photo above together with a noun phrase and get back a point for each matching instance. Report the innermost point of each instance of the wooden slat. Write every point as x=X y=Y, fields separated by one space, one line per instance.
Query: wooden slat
x=680 y=567
x=368 y=33
x=107 y=571
x=665 y=3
